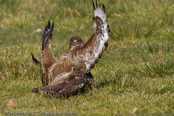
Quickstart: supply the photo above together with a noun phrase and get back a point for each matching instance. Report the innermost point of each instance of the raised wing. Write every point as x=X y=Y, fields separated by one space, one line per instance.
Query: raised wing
x=87 y=57
x=47 y=57
x=75 y=82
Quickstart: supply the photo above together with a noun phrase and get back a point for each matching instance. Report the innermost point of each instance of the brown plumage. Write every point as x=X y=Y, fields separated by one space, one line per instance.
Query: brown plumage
x=75 y=82
x=69 y=74
x=97 y=44
x=60 y=77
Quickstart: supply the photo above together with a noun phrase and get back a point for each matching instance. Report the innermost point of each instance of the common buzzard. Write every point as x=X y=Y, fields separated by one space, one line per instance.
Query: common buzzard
x=71 y=73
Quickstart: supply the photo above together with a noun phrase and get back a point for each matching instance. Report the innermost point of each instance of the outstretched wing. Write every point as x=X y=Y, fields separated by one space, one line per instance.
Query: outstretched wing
x=71 y=86
x=87 y=57
x=47 y=57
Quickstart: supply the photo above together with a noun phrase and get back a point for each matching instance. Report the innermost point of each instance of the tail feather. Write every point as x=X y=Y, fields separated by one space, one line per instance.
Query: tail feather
x=35 y=90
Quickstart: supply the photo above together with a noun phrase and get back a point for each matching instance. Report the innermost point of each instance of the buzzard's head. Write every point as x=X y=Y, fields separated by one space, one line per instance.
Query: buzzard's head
x=75 y=42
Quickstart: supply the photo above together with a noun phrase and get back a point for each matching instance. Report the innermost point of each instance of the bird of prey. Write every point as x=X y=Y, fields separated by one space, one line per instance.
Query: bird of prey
x=71 y=73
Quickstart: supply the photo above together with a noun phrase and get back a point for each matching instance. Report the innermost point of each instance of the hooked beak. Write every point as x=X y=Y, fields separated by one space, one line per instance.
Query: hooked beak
x=74 y=42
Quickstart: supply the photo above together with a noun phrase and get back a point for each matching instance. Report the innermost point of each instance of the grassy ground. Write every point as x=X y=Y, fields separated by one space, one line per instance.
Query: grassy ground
x=134 y=76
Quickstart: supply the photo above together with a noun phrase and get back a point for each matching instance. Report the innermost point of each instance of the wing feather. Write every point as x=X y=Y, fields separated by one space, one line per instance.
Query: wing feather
x=70 y=87
x=87 y=57
x=74 y=83
x=47 y=57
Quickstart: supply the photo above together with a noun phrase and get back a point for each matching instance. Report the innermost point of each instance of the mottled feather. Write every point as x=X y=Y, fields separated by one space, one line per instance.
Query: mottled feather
x=47 y=57
x=70 y=73
x=86 y=57
x=75 y=82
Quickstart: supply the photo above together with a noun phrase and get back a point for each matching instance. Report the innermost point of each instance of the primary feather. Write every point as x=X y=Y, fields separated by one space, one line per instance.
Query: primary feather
x=69 y=74
x=86 y=57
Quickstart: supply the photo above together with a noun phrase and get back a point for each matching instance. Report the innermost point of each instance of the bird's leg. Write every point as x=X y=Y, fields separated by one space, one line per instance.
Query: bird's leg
x=91 y=82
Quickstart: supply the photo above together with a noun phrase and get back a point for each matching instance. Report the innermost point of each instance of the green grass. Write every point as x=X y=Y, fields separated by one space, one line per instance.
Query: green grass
x=136 y=71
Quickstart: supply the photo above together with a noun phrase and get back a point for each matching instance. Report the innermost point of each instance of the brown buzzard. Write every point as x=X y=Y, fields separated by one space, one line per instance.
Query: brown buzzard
x=69 y=74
